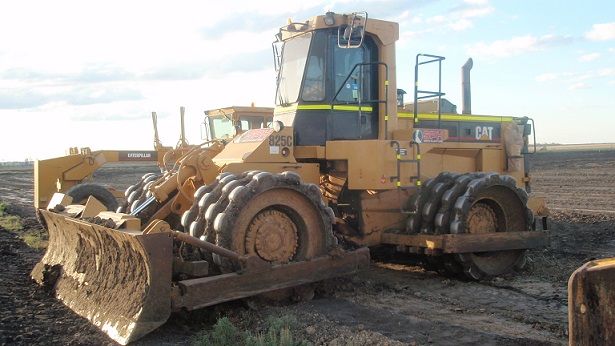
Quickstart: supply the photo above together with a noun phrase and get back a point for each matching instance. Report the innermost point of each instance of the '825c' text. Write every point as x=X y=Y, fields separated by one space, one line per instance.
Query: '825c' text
x=284 y=141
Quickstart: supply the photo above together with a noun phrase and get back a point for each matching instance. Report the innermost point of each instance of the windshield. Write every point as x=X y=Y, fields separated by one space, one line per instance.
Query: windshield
x=221 y=128
x=294 y=56
x=248 y=123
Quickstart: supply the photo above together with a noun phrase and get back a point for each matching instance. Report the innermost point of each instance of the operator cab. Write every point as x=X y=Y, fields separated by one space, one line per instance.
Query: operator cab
x=327 y=85
x=225 y=123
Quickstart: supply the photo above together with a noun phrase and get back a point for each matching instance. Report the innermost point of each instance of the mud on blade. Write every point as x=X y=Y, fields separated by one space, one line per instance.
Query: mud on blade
x=120 y=281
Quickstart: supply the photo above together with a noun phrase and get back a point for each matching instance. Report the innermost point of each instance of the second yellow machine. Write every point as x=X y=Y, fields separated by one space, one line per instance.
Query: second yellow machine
x=345 y=166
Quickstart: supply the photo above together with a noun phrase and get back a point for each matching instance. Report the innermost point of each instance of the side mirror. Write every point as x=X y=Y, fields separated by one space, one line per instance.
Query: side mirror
x=351 y=34
x=236 y=130
x=527 y=130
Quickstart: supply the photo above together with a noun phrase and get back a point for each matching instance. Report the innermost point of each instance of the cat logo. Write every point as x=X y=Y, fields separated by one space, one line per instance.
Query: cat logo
x=429 y=135
x=417 y=136
x=484 y=133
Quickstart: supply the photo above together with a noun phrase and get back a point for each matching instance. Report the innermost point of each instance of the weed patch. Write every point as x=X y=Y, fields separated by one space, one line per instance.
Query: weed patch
x=225 y=333
x=9 y=222
x=34 y=238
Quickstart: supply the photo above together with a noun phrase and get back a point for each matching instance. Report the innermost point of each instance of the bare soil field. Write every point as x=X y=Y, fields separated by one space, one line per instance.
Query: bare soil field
x=576 y=180
x=394 y=302
x=576 y=147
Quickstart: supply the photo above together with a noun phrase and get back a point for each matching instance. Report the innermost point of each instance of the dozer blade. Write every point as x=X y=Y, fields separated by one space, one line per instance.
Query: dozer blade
x=120 y=281
x=591 y=303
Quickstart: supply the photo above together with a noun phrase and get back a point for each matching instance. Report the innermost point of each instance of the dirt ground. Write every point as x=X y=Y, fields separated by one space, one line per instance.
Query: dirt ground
x=391 y=303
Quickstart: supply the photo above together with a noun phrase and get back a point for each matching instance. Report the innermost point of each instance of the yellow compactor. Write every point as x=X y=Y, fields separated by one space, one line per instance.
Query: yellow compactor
x=345 y=165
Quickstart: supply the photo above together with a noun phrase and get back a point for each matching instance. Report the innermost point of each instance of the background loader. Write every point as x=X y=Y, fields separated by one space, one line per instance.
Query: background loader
x=345 y=166
x=71 y=174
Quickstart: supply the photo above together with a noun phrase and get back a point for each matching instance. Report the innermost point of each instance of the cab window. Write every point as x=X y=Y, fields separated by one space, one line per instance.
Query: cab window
x=294 y=58
x=221 y=128
x=357 y=87
x=314 y=79
x=314 y=84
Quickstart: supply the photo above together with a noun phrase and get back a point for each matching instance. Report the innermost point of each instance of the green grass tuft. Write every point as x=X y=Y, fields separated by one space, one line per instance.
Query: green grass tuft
x=34 y=238
x=225 y=333
x=9 y=222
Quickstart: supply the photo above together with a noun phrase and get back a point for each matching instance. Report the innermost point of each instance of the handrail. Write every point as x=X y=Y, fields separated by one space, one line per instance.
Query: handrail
x=429 y=94
x=534 y=134
x=386 y=92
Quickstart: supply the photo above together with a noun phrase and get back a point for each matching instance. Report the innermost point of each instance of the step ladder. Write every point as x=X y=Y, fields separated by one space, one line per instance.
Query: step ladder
x=416 y=159
x=423 y=59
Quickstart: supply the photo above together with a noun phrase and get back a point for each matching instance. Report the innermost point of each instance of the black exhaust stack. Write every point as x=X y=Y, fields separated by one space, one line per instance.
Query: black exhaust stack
x=466 y=92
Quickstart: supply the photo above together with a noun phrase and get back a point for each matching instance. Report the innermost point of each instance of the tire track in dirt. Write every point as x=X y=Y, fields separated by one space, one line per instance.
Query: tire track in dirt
x=468 y=312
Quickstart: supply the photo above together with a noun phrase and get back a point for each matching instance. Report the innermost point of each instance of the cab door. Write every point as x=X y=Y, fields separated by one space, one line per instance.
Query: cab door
x=354 y=85
x=338 y=93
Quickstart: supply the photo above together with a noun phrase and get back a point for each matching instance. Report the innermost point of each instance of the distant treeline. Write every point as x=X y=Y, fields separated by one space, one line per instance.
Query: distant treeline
x=26 y=163
x=576 y=147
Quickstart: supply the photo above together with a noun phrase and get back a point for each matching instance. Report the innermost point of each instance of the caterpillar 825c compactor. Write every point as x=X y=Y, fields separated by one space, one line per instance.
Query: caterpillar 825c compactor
x=344 y=167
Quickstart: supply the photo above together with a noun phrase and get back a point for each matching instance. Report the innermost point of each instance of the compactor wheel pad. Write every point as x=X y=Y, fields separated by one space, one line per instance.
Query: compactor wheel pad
x=418 y=201
x=297 y=209
x=197 y=226
x=471 y=203
x=491 y=203
x=441 y=184
x=133 y=192
x=442 y=217
x=222 y=201
x=415 y=206
x=426 y=214
x=189 y=215
x=192 y=214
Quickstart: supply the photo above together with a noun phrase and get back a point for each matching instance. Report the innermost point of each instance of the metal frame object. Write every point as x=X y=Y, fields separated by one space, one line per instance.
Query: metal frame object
x=428 y=94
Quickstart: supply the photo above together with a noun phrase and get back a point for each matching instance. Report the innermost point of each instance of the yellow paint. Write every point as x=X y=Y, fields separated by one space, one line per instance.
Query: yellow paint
x=456 y=117
x=600 y=263
x=312 y=107
x=352 y=108
x=423 y=116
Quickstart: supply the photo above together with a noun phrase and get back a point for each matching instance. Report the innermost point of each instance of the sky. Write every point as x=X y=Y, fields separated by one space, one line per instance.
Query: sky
x=89 y=73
